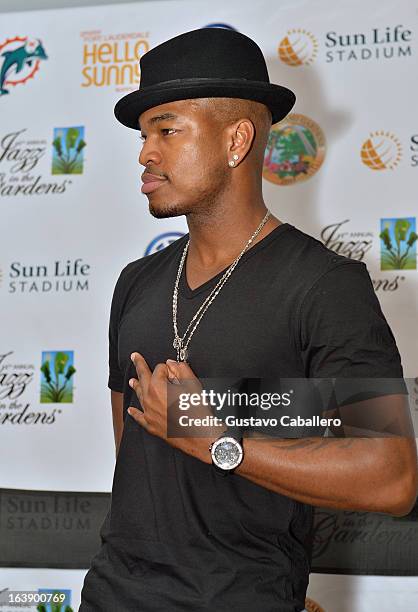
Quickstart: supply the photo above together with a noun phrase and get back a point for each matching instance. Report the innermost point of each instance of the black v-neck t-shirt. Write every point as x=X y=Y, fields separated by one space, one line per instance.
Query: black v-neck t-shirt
x=179 y=536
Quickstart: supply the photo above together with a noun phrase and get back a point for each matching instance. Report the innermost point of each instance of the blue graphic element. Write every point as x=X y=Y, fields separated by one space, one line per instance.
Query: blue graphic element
x=221 y=25
x=162 y=241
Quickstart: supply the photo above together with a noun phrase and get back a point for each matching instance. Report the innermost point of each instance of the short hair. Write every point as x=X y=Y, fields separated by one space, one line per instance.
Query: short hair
x=229 y=110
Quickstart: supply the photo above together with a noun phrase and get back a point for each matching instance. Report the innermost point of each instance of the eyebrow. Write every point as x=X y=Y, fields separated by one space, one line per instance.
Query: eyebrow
x=162 y=117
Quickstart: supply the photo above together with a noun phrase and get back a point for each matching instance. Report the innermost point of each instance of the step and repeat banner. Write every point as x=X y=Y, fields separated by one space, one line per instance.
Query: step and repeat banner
x=343 y=167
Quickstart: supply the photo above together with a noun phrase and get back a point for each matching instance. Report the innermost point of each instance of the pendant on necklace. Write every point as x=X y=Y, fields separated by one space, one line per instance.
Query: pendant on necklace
x=183 y=354
x=177 y=343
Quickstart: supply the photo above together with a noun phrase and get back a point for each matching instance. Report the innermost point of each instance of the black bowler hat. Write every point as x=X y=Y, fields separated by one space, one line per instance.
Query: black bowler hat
x=204 y=63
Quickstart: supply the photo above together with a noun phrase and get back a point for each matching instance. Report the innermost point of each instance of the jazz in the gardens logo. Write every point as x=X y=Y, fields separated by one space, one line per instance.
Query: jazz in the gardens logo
x=300 y=47
x=17 y=396
x=162 y=241
x=60 y=275
x=57 y=377
x=20 y=60
x=359 y=244
x=68 y=150
x=295 y=150
x=398 y=240
x=25 y=159
x=112 y=60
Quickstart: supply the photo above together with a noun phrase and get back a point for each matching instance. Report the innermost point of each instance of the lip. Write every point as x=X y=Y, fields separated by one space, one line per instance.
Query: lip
x=151 y=182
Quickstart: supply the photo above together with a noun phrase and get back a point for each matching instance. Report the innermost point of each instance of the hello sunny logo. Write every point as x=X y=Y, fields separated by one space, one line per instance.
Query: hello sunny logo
x=20 y=60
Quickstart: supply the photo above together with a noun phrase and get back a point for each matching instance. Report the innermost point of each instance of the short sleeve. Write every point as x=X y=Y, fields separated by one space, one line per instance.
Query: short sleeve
x=116 y=376
x=343 y=332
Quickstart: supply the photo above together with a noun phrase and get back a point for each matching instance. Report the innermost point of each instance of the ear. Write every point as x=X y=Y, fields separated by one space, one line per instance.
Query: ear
x=241 y=138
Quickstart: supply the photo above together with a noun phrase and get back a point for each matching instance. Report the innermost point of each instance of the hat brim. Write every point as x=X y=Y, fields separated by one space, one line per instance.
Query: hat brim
x=277 y=98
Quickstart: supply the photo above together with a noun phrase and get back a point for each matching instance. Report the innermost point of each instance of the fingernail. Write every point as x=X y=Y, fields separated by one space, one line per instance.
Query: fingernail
x=132 y=356
x=129 y=411
x=171 y=361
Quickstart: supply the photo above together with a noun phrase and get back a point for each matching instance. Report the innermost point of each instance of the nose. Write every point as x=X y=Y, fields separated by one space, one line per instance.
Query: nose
x=149 y=153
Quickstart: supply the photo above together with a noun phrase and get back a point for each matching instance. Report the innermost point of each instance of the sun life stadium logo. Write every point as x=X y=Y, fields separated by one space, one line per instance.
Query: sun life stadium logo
x=295 y=150
x=21 y=60
x=298 y=48
x=381 y=151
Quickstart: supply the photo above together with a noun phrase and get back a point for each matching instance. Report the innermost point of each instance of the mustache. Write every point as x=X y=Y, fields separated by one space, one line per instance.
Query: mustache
x=154 y=173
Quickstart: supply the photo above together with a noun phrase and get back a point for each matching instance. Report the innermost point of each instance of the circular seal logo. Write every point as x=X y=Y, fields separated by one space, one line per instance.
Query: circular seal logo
x=299 y=47
x=162 y=241
x=20 y=59
x=312 y=606
x=295 y=150
x=381 y=151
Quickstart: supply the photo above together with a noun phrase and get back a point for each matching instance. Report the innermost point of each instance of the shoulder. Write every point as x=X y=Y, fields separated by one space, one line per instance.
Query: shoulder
x=310 y=263
x=148 y=264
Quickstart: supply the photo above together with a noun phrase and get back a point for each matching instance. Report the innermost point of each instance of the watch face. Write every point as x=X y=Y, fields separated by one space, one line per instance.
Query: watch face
x=227 y=453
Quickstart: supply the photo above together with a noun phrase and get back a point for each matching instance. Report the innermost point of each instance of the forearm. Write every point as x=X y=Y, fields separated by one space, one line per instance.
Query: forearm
x=352 y=473
x=342 y=473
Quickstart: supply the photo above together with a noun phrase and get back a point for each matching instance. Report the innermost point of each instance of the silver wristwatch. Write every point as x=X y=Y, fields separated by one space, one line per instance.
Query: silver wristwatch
x=227 y=453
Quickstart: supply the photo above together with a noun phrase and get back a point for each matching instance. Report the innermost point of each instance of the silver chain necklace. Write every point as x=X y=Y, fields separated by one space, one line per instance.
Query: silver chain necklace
x=180 y=342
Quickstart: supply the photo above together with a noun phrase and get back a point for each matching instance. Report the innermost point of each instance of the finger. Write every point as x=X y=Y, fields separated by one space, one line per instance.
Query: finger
x=184 y=375
x=160 y=372
x=139 y=416
x=159 y=377
x=171 y=372
x=142 y=370
x=136 y=386
x=180 y=370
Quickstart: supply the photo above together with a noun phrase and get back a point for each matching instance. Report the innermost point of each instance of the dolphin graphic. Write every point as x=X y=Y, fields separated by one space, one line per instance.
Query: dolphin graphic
x=17 y=59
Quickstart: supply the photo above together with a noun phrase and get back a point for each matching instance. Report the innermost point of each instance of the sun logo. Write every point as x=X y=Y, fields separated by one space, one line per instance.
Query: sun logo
x=299 y=47
x=381 y=151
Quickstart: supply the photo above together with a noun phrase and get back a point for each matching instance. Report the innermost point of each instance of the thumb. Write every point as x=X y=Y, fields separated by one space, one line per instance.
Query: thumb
x=178 y=371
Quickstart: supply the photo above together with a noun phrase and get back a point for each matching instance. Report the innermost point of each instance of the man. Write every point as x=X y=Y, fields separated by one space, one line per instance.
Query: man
x=249 y=297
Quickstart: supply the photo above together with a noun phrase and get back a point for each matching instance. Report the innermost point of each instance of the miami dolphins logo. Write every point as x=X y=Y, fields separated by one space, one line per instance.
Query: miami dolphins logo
x=21 y=60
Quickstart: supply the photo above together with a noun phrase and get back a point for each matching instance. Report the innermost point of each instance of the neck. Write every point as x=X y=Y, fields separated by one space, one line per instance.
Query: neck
x=220 y=235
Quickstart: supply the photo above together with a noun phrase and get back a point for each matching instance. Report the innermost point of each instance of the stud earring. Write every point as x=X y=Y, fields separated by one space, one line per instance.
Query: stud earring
x=231 y=163
x=236 y=157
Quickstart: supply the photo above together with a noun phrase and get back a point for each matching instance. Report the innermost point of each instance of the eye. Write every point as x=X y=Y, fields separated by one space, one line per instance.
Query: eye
x=167 y=131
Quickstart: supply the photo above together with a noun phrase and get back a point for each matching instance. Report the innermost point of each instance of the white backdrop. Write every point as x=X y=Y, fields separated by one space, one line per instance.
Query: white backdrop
x=343 y=169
